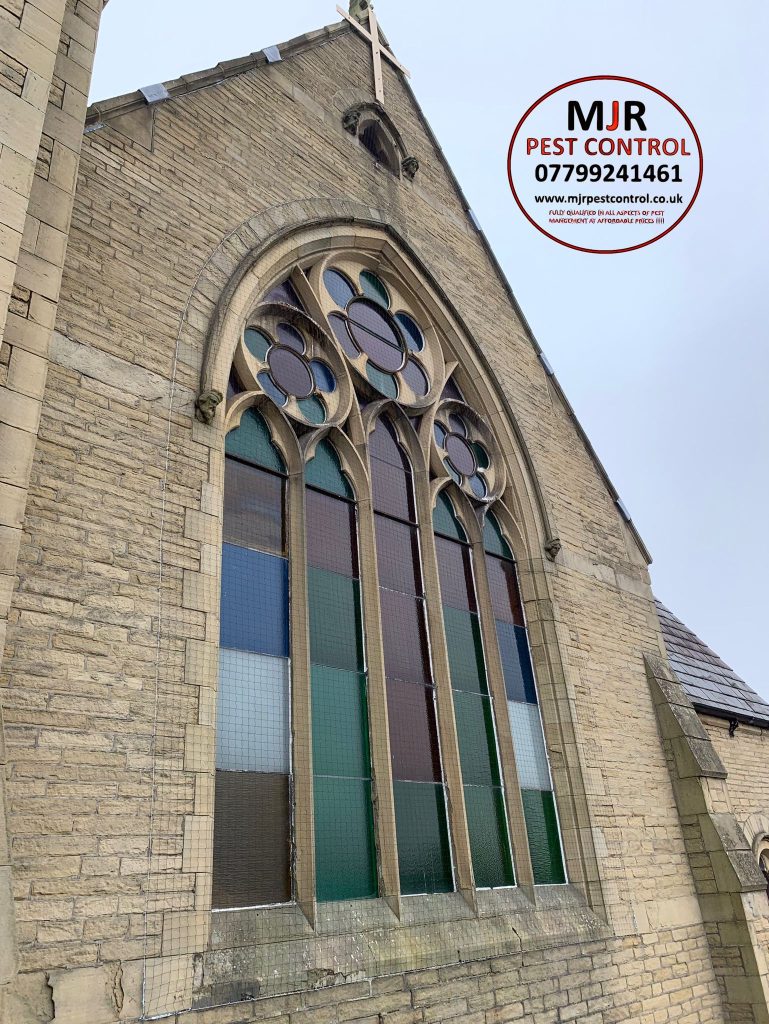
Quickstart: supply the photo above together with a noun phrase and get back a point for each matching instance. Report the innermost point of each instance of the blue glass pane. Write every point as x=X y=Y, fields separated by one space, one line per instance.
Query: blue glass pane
x=324 y=378
x=251 y=441
x=411 y=332
x=271 y=389
x=338 y=287
x=254 y=609
x=529 y=745
x=256 y=343
x=252 y=715
x=477 y=486
x=516 y=663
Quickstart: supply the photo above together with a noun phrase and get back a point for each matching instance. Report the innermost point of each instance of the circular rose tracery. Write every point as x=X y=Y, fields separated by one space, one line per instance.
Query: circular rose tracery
x=381 y=343
x=465 y=457
x=375 y=334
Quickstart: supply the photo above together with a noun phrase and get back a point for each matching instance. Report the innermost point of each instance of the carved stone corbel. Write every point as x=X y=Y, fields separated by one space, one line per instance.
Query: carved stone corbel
x=410 y=166
x=205 y=406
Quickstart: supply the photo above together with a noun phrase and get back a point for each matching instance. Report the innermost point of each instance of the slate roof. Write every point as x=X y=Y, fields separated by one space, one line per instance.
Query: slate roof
x=711 y=685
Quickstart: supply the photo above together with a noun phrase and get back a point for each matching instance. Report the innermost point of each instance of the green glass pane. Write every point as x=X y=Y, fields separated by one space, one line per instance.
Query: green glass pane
x=257 y=343
x=493 y=540
x=373 y=288
x=345 y=859
x=445 y=521
x=544 y=844
x=481 y=455
x=477 y=746
x=312 y=409
x=324 y=471
x=252 y=441
x=383 y=382
x=335 y=620
x=339 y=723
x=424 y=858
x=489 y=844
x=465 y=649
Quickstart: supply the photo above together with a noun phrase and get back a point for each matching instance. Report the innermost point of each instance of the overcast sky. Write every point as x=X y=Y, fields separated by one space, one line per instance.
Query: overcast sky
x=662 y=352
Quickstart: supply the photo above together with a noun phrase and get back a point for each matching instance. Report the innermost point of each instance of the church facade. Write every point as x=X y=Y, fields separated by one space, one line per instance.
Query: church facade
x=333 y=683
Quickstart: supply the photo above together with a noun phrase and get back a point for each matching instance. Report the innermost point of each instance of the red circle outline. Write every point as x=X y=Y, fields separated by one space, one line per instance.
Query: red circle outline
x=603 y=78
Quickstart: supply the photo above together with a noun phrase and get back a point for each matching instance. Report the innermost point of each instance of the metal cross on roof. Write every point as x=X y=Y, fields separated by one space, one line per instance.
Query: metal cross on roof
x=365 y=8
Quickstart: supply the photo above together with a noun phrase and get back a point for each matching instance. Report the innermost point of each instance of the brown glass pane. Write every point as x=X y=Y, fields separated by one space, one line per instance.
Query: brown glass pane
x=252 y=840
x=383 y=445
x=331 y=533
x=413 y=732
x=456 y=574
x=398 y=556
x=405 y=637
x=504 y=590
x=392 y=491
x=253 y=508
x=290 y=372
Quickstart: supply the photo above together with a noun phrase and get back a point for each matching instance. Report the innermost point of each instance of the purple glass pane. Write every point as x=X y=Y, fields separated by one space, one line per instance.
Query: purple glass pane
x=413 y=732
x=392 y=490
x=504 y=590
x=451 y=391
x=416 y=378
x=383 y=445
x=460 y=453
x=342 y=335
x=477 y=486
x=374 y=334
x=456 y=574
x=290 y=372
x=331 y=533
x=284 y=293
x=405 y=637
x=291 y=338
x=398 y=556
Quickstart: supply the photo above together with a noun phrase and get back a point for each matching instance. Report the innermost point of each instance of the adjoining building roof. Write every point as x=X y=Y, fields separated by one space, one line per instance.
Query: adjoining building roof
x=712 y=686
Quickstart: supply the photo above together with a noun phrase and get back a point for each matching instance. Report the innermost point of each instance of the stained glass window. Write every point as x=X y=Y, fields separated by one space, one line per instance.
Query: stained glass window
x=523 y=709
x=424 y=857
x=374 y=343
x=345 y=859
x=478 y=756
x=252 y=835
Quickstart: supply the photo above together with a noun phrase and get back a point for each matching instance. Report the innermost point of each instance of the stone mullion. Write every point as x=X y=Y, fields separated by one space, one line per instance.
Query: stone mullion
x=379 y=729
x=447 y=726
x=303 y=831
x=524 y=874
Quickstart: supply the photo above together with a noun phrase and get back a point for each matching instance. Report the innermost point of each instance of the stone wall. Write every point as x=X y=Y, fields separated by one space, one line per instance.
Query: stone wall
x=114 y=619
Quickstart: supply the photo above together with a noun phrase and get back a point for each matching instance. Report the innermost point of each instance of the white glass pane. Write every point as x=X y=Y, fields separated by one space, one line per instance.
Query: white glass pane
x=529 y=743
x=252 y=713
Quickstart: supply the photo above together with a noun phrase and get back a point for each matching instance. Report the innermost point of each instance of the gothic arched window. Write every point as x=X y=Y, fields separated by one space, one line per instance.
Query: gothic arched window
x=378 y=726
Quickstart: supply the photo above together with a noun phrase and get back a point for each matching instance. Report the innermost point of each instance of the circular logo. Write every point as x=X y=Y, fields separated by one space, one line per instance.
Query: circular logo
x=605 y=164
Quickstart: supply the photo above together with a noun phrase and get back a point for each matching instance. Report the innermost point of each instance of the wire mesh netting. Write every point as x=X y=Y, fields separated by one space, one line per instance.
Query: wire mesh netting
x=357 y=635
